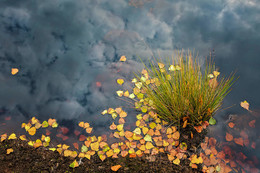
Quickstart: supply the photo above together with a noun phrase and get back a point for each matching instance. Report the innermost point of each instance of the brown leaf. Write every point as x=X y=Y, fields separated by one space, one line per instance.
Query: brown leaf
x=239 y=141
x=252 y=123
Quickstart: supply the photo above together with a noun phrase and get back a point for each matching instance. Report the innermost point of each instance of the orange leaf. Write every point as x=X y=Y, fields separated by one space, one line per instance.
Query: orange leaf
x=121 y=120
x=239 y=141
x=48 y=132
x=198 y=128
x=229 y=137
x=128 y=134
x=32 y=131
x=124 y=153
x=231 y=124
x=76 y=145
x=9 y=150
x=176 y=135
x=14 y=71
x=89 y=129
x=82 y=138
x=185 y=123
x=116 y=167
x=112 y=126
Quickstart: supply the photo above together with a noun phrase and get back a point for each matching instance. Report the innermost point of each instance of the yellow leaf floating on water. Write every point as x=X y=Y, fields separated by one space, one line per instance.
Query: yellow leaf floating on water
x=9 y=150
x=132 y=96
x=137 y=131
x=12 y=136
x=94 y=146
x=14 y=71
x=120 y=81
x=126 y=93
x=34 y=120
x=245 y=105
x=3 y=137
x=120 y=93
x=104 y=112
x=45 y=124
x=122 y=58
x=23 y=137
x=32 y=131
x=216 y=73
x=120 y=127
x=177 y=161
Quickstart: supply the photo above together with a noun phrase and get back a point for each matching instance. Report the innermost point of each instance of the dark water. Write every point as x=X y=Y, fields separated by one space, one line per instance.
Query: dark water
x=67 y=53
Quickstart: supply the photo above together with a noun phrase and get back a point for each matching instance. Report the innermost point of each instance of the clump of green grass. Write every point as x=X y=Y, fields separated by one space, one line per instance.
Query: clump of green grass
x=181 y=89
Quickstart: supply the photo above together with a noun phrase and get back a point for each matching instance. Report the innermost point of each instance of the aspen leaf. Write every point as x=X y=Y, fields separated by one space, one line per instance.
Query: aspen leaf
x=152 y=125
x=126 y=93
x=145 y=130
x=12 y=136
x=148 y=138
x=104 y=112
x=115 y=168
x=23 y=137
x=113 y=126
x=14 y=71
x=137 y=131
x=122 y=58
x=120 y=93
x=132 y=96
x=45 y=124
x=120 y=81
x=9 y=150
x=216 y=73
x=74 y=164
x=149 y=145
x=120 y=127
x=177 y=161
x=245 y=105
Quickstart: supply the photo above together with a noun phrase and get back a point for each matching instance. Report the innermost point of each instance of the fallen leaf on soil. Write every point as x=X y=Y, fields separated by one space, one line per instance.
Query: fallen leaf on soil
x=9 y=150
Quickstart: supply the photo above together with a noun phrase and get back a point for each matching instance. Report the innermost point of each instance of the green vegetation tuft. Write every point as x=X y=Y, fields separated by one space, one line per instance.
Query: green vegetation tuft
x=182 y=90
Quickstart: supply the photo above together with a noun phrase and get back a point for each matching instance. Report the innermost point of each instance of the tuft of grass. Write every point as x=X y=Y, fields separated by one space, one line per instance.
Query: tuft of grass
x=181 y=89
